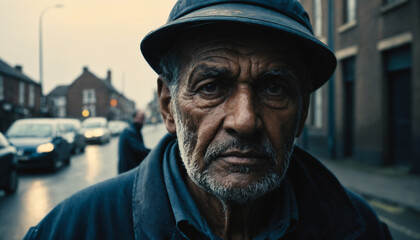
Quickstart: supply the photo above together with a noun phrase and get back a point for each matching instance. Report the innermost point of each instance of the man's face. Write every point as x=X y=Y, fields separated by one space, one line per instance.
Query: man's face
x=139 y=118
x=237 y=112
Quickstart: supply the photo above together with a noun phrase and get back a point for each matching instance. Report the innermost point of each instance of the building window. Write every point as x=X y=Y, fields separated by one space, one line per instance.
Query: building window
x=89 y=96
x=21 y=93
x=1 y=88
x=91 y=109
x=31 y=100
x=318 y=18
x=349 y=11
x=316 y=115
x=60 y=101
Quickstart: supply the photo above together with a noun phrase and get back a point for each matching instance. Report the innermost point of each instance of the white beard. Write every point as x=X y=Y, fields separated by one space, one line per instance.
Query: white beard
x=221 y=188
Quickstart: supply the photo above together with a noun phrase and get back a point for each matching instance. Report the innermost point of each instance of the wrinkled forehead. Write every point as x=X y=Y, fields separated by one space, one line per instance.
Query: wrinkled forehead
x=231 y=41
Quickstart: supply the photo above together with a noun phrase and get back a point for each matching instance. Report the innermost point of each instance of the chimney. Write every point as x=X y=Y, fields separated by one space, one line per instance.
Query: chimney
x=19 y=68
x=108 y=76
x=85 y=69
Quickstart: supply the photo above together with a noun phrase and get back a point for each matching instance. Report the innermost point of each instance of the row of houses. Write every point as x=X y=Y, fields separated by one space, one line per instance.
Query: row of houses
x=370 y=111
x=20 y=96
x=87 y=96
x=90 y=96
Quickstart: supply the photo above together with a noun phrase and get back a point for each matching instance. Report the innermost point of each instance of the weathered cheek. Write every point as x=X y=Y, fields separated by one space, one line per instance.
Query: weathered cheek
x=281 y=126
x=204 y=123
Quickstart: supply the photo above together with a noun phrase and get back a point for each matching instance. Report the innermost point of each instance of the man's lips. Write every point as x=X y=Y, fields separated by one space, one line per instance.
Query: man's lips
x=243 y=158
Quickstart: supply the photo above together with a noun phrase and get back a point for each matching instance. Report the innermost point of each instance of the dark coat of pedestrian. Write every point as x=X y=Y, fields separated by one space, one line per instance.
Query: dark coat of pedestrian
x=234 y=87
x=131 y=148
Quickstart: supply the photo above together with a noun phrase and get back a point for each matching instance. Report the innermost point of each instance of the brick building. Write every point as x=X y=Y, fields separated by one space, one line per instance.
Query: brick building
x=90 y=96
x=20 y=96
x=371 y=111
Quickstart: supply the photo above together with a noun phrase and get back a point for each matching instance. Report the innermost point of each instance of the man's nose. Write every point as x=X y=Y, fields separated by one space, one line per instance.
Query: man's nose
x=242 y=116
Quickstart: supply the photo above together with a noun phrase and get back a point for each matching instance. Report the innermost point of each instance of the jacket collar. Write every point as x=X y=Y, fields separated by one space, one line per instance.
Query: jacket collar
x=152 y=214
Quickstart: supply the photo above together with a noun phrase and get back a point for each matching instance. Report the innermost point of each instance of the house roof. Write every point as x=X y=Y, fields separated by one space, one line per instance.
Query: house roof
x=60 y=90
x=106 y=83
x=6 y=69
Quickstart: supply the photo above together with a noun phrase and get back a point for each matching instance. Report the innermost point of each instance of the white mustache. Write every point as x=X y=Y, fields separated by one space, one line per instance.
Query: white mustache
x=260 y=147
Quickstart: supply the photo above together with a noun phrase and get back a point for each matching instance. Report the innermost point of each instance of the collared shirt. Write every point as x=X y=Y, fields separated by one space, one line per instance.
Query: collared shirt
x=192 y=225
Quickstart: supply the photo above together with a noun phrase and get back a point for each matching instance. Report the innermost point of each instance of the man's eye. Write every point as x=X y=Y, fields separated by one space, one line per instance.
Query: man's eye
x=275 y=89
x=209 y=88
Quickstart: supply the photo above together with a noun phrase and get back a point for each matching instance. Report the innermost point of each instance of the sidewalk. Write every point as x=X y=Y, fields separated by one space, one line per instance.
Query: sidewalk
x=394 y=186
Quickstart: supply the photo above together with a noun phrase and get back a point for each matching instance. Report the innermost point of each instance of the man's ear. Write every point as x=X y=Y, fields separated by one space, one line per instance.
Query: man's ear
x=303 y=113
x=166 y=106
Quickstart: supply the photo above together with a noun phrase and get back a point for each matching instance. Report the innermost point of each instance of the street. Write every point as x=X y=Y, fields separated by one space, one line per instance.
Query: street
x=40 y=191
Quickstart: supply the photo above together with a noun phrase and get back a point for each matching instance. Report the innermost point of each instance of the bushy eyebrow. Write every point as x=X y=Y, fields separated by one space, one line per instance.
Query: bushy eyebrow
x=279 y=72
x=206 y=71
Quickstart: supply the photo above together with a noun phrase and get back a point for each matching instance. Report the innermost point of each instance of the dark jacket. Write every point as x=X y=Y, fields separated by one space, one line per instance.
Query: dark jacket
x=135 y=205
x=131 y=148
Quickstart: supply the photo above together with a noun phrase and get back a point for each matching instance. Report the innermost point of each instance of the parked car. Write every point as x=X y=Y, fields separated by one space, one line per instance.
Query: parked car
x=116 y=127
x=73 y=135
x=39 y=143
x=95 y=130
x=8 y=170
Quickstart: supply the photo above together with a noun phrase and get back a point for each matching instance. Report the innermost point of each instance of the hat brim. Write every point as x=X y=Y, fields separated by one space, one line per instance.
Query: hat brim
x=320 y=58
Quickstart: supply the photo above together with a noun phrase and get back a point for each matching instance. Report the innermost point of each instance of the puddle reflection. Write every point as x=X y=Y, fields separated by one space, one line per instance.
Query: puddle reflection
x=36 y=203
x=93 y=162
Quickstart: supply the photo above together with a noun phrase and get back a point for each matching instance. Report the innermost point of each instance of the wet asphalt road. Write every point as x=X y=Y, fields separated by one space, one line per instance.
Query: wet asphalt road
x=40 y=191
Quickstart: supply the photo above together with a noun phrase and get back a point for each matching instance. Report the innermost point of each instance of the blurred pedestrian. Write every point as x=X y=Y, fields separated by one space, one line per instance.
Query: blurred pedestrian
x=234 y=86
x=131 y=148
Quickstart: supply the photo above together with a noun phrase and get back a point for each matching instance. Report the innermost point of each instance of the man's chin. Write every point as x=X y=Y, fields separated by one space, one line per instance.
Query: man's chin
x=240 y=188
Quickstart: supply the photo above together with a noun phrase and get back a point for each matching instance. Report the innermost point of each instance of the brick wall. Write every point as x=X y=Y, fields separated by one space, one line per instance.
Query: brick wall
x=74 y=95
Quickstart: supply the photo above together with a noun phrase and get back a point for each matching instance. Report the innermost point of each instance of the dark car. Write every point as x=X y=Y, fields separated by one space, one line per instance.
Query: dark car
x=73 y=134
x=39 y=143
x=8 y=170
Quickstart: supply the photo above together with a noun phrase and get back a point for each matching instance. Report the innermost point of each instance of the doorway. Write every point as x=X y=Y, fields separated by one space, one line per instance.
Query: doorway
x=348 y=66
x=398 y=73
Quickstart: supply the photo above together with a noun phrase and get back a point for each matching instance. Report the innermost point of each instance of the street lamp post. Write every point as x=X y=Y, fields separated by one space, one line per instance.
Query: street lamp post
x=41 y=81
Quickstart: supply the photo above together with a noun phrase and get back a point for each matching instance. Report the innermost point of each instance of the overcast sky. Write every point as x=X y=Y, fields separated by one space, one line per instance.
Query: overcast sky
x=99 y=34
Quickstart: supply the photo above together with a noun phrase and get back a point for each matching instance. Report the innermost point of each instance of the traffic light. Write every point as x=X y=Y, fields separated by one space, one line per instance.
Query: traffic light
x=113 y=102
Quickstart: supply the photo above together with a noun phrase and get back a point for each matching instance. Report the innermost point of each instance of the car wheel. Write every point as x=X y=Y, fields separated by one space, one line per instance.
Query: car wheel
x=57 y=163
x=12 y=184
x=67 y=161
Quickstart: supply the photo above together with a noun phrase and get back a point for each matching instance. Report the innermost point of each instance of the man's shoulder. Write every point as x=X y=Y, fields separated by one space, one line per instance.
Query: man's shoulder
x=339 y=211
x=374 y=227
x=101 y=211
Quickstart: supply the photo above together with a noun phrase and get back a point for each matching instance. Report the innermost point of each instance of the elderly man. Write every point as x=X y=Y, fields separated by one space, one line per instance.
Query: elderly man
x=131 y=148
x=235 y=79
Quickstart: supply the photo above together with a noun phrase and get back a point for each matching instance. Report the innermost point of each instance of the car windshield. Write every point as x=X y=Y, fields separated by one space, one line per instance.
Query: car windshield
x=30 y=130
x=116 y=125
x=69 y=127
x=93 y=125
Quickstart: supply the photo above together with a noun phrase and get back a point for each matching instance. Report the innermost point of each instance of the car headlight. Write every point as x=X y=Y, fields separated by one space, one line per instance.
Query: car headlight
x=88 y=134
x=98 y=132
x=44 y=148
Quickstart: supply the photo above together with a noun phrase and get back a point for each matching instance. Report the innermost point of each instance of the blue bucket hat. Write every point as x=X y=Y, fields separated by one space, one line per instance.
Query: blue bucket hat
x=283 y=16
